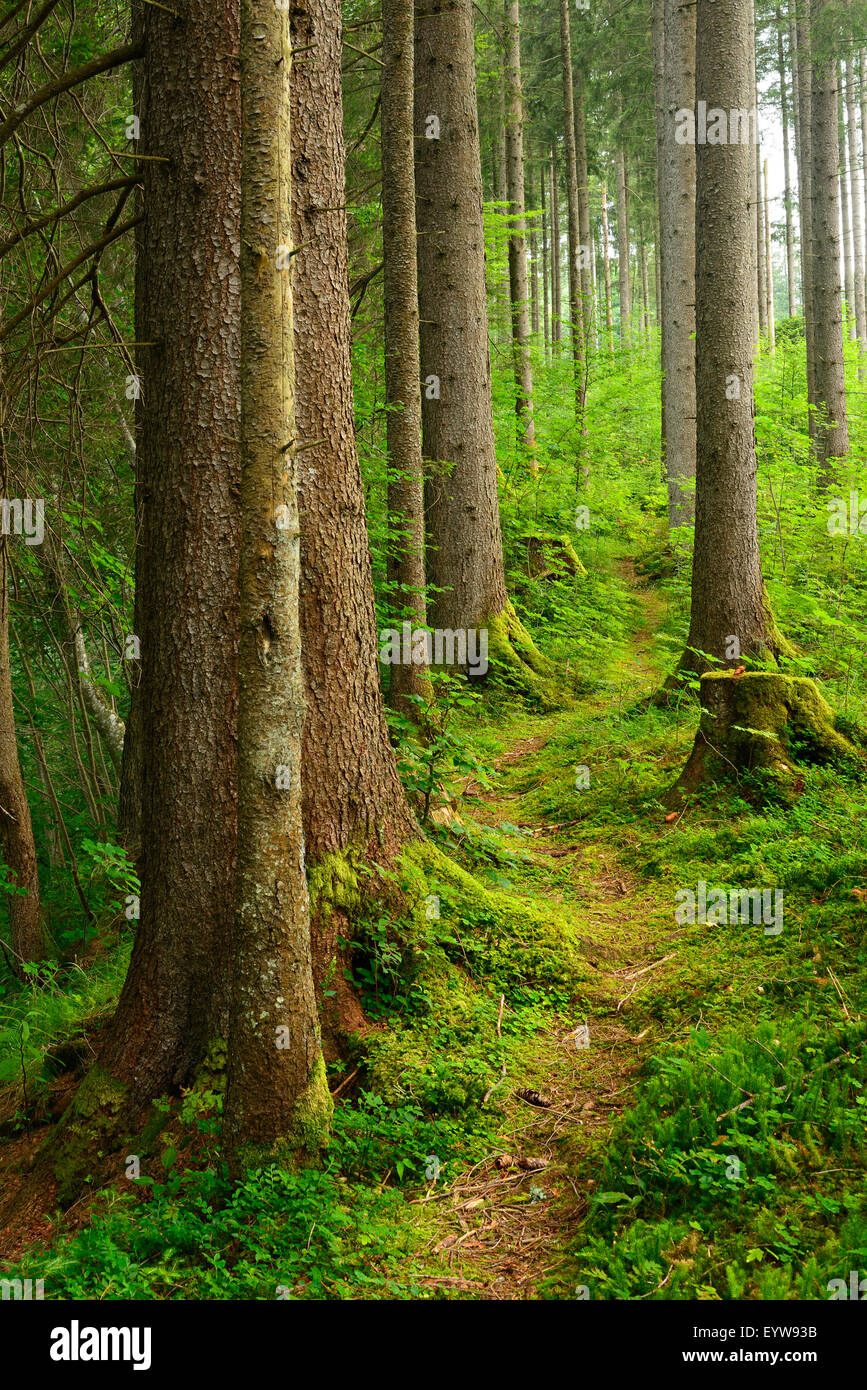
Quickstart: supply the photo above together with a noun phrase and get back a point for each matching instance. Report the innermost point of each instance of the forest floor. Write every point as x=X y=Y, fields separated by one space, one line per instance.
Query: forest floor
x=504 y=1228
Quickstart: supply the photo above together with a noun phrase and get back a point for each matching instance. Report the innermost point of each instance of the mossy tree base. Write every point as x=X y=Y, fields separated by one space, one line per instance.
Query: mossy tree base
x=515 y=661
x=761 y=723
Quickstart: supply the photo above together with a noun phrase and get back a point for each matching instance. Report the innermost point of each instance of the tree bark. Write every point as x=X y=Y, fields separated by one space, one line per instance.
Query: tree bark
x=354 y=805
x=805 y=195
x=727 y=591
x=518 y=289
x=277 y=1104
x=846 y=221
x=405 y=564
x=465 y=560
x=546 y=287
x=832 y=433
x=576 y=300
x=623 y=289
x=769 y=266
x=677 y=218
x=857 y=177
x=787 y=194
x=174 y=1000
x=556 y=288
x=606 y=266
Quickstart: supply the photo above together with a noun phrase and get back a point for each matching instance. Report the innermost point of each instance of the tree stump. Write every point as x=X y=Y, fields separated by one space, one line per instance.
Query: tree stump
x=766 y=723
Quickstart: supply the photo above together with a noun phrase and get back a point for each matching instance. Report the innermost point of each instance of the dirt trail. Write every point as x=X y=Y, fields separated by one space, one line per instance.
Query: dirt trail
x=503 y=1230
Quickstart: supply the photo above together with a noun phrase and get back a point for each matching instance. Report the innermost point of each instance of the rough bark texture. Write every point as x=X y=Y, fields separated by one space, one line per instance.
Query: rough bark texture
x=465 y=559
x=727 y=592
x=277 y=1100
x=832 y=434
x=518 y=289
x=354 y=804
x=405 y=568
x=677 y=219
x=187 y=302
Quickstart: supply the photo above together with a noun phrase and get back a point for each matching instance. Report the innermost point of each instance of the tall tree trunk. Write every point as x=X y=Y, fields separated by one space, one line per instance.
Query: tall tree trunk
x=862 y=98
x=755 y=189
x=662 y=118
x=17 y=845
x=576 y=300
x=762 y=281
x=533 y=237
x=546 y=288
x=405 y=567
x=518 y=234
x=504 y=318
x=727 y=591
x=857 y=178
x=677 y=218
x=586 y=263
x=787 y=193
x=465 y=561
x=645 y=287
x=624 y=296
x=832 y=433
x=845 y=220
x=606 y=266
x=354 y=805
x=278 y=1105
x=175 y=996
x=556 y=288
x=769 y=266
x=805 y=195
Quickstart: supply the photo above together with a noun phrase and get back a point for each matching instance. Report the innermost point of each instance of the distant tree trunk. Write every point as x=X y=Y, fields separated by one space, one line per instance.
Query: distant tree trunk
x=586 y=259
x=16 y=830
x=862 y=97
x=278 y=1105
x=354 y=805
x=504 y=321
x=606 y=265
x=805 y=196
x=574 y=230
x=857 y=214
x=175 y=997
x=556 y=290
x=787 y=193
x=769 y=266
x=760 y=240
x=405 y=565
x=769 y=274
x=728 y=615
x=677 y=218
x=465 y=562
x=546 y=288
x=662 y=117
x=624 y=296
x=832 y=433
x=518 y=234
x=755 y=192
x=533 y=237
x=645 y=287
x=848 y=269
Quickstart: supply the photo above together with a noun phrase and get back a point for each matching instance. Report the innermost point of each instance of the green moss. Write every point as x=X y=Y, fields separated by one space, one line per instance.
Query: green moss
x=333 y=883
x=516 y=661
x=307 y=1133
x=90 y=1120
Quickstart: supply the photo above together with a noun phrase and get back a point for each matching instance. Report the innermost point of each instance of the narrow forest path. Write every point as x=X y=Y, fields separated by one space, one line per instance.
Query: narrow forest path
x=502 y=1230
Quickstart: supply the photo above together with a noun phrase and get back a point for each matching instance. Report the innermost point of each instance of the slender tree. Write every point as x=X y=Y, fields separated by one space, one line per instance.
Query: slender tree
x=278 y=1104
x=787 y=190
x=518 y=288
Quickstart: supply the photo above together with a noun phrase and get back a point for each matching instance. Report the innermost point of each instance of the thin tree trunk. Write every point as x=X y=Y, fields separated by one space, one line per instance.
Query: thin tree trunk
x=857 y=178
x=755 y=193
x=278 y=1105
x=586 y=260
x=576 y=300
x=606 y=264
x=546 y=288
x=845 y=221
x=805 y=197
x=556 y=288
x=623 y=250
x=760 y=242
x=832 y=433
x=518 y=235
x=405 y=565
x=769 y=267
x=787 y=194
x=534 y=259
x=661 y=118
x=17 y=844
